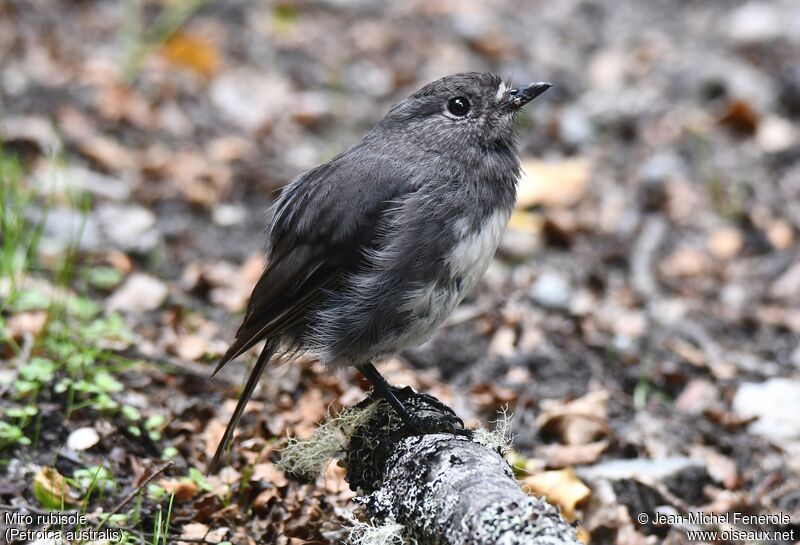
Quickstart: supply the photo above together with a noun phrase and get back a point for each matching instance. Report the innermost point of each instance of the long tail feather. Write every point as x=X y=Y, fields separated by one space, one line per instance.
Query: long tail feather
x=249 y=387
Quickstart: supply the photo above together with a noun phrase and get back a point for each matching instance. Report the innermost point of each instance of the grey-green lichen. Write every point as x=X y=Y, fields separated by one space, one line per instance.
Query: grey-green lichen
x=500 y=438
x=388 y=533
x=309 y=457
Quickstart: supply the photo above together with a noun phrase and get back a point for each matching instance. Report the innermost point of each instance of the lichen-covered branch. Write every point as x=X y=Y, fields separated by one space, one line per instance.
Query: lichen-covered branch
x=444 y=489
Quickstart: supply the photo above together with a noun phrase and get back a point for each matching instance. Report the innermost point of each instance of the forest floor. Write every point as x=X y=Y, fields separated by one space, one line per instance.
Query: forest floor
x=641 y=321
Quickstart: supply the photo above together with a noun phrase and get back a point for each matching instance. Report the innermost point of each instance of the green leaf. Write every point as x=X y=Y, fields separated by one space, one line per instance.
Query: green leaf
x=155 y=492
x=111 y=327
x=22 y=412
x=38 y=369
x=104 y=277
x=26 y=387
x=131 y=414
x=93 y=477
x=154 y=422
x=30 y=300
x=106 y=383
x=199 y=479
x=170 y=453
x=83 y=308
x=12 y=435
x=103 y=402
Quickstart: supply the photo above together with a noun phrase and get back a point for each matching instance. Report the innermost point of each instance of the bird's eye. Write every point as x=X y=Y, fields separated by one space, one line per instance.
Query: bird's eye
x=458 y=106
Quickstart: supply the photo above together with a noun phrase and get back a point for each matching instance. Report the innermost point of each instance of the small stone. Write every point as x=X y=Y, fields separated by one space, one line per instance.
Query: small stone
x=776 y=134
x=725 y=242
x=82 y=439
x=769 y=402
x=734 y=296
x=74 y=178
x=780 y=234
x=139 y=293
x=65 y=227
x=249 y=99
x=574 y=127
x=130 y=228
x=607 y=70
x=226 y=215
x=373 y=79
x=755 y=22
x=662 y=166
x=685 y=261
x=551 y=290
x=787 y=285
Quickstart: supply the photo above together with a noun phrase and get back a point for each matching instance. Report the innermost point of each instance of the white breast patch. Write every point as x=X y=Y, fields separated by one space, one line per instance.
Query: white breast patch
x=470 y=258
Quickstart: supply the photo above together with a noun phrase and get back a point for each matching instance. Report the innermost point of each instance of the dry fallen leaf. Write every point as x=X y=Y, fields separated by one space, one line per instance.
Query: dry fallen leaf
x=553 y=183
x=560 y=456
x=193 y=52
x=212 y=435
x=26 y=323
x=578 y=422
x=263 y=499
x=108 y=152
x=51 y=490
x=184 y=489
x=139 y=293
x=191 y=347
x=307 y=412
x=194 y=531
x=562 y=488
x=268 y=473
x=526 y=221
x=740 y=117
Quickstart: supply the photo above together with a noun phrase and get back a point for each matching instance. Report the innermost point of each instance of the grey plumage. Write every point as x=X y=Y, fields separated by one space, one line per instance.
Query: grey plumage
x=372 y=250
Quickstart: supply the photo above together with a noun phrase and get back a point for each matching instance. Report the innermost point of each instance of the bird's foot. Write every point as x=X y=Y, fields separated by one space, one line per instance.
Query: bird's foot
x=443 y=419
x=438 y=423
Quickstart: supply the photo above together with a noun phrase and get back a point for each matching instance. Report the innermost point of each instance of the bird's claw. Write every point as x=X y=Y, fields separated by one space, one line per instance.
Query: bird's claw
x=439 y=423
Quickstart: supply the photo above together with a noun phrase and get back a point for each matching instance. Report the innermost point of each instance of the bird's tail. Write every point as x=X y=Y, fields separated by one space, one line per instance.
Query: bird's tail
x=249 y=387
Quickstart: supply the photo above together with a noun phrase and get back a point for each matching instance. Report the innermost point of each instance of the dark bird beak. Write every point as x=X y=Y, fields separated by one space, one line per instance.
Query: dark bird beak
x=520 y=97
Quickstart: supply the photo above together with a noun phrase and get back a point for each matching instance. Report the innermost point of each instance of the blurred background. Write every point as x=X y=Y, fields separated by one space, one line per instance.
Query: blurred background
x=641 y=320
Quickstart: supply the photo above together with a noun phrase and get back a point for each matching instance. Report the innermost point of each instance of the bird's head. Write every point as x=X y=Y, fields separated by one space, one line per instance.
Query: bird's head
x=461 y=113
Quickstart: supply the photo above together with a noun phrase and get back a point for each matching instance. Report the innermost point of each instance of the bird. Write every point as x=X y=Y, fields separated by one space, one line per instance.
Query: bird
x=369 y=252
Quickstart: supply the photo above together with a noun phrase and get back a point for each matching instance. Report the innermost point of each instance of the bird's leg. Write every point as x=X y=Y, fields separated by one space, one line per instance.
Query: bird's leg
x=383 y=389
x=445 y=421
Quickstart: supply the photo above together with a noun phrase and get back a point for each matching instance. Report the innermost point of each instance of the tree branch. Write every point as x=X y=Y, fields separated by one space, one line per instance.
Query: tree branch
x=442 y=488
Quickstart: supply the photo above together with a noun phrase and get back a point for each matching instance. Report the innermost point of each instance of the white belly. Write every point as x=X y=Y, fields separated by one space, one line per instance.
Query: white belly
x=468 y=260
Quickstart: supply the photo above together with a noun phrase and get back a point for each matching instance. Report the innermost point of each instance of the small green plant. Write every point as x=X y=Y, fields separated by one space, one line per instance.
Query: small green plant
x=199 y=479
x=90 y=479
x=18 y=242
x=162 y=524
x=12 y=435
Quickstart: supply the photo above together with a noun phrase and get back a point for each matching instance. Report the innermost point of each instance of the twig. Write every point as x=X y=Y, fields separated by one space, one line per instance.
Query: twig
x=133 y=494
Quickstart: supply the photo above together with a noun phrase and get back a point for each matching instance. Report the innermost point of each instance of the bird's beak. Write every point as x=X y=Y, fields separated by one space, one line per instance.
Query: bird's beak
x=517 y=98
